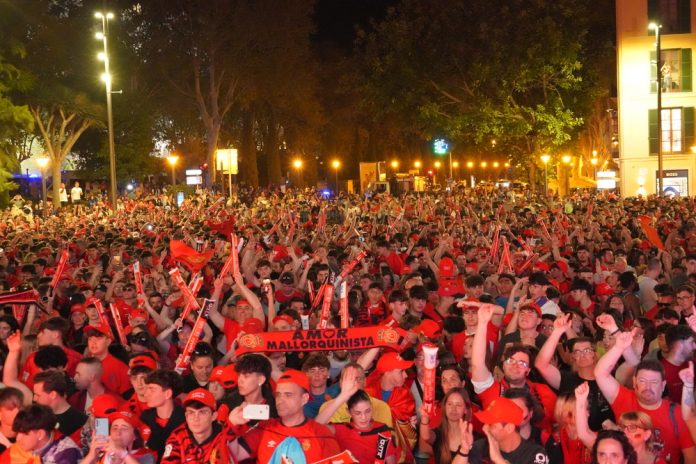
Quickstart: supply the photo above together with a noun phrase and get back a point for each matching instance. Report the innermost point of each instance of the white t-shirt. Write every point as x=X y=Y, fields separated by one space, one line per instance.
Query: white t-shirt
x=76 y=193
x=63 y=193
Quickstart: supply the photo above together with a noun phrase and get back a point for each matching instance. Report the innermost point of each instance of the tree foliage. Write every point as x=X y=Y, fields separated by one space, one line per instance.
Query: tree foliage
x=478 y=70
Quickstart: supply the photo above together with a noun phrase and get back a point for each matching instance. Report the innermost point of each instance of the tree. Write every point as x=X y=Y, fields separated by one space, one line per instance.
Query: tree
x=15 y=120
x=61 y=103
x=482 y=70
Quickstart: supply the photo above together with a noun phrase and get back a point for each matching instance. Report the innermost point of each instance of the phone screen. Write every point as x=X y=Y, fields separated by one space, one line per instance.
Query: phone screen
x=101 y=426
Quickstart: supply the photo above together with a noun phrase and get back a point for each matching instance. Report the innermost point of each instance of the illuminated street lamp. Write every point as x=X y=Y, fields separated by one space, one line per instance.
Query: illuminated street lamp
x=106 y=77
x=455 y=165
x=496 y=164
x=417 y=165
x=336 y=164
x=395 y=164
x=297 y=164
x=566 y=178
x=42 y=161
x=172 y=160
x=545 y=159
x=484 y=164
x=470 y=165
x=593 y=162
x=658 y=65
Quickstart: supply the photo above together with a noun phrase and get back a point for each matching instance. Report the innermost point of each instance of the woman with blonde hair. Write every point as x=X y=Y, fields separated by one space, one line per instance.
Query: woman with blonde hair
x=638 y=427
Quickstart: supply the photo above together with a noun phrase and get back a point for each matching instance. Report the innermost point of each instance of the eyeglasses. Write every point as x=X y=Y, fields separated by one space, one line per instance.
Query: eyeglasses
x=517 y=362
x=585 y=352
x=631 y=428
x=202 y=349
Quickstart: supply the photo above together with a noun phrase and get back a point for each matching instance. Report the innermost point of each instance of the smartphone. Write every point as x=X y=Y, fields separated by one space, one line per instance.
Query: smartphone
x=256 y=412
x=117 y=260
x=101 y=426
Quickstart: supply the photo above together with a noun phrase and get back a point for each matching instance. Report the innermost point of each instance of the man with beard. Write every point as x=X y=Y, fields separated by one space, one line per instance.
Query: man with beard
x=670 y=433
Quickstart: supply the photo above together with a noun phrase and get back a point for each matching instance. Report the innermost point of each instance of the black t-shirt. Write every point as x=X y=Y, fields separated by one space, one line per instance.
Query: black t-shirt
x=190 y=383
x=526 y=453
x=599 y=407
x=70 y=421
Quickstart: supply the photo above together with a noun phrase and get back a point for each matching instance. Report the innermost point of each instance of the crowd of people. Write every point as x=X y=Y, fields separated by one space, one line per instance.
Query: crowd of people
x=564 y=330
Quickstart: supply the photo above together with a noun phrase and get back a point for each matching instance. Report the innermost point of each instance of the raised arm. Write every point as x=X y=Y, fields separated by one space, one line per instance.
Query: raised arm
x=349 y=385
x=11 y=368
x=257 y=309
x=548 y=371
x=603 y=370
x=585 y=434
x=479 y=370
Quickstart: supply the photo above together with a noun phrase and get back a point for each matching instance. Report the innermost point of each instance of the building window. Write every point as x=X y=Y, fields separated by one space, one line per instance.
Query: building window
x=671 y=130
x=676 y=70
x=677 y=130
x=673 y=15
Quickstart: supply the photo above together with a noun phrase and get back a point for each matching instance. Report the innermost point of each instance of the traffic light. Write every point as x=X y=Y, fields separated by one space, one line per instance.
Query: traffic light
x=203 y=167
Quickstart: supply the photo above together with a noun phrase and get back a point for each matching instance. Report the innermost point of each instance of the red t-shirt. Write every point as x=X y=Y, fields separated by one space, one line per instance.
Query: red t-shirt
x=30 y=369
x=363 y=443
x=669 y=429
x=543 y=392
x=282 y=297
x=115 y=375
x=316 y=439
x=674 y=383
x=231 y=330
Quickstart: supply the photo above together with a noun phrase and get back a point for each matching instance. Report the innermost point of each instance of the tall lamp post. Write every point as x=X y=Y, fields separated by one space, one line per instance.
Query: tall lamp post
x=437 y=165
x=593 y=162
x=545 y=159
x=42 y=161
x=106 y=77
x=297 y=164
x=566 y=178
x=172 y=160
x=658 y=63
x=336 y=164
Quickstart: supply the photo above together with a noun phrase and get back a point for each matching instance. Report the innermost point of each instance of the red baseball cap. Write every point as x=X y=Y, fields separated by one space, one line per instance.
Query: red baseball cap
x=296 y=377
x=429 y=328
x=283 y=317
x=144 y=361
x=77 y=308
x=446 y=268
x=138 y=313
x=202 y=396
x=225 y=376
x=604 y=289
x=126 y=416
x=392 y=360
x=104 y=404
x=533 y=306
x=252 y=325
x=501 y=410
x=103 y=330
x=450 y=287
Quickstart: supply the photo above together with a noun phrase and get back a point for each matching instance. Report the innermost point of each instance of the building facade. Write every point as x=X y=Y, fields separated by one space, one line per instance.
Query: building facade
x=637 y=95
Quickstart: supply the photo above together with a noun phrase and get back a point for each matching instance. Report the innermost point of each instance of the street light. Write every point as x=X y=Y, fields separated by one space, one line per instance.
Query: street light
x=566 y=177
x=172 y=160
x=484 y=164
x=336 y=164
x=470 y=165
x=395 y=164
x=42 y=161
x=658 y=64
x=496 y=164
x=545 y=159
x=297 y=164
x=106 y=77
x=417 y=165
x=593 y=162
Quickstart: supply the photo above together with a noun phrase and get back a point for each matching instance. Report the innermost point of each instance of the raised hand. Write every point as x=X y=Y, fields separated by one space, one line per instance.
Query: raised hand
x=582 y=391
x=606 y=322
x=466 y=435
x=563 y=323
x=624 y=340
x=687 y=375
x=349 y=381
x=14 y=342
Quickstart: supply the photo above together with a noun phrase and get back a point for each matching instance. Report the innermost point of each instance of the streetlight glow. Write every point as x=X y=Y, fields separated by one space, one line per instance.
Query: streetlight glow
x=545 y=159
x=297 y=164
x=437 y=165
x=417 y=164
x=106 y=78
x=395 y=164
x=496 y=164
x=470 y=164
x=594 y=161
x=566 y=159
x=507 y=165
x=172 y=159
x=455 y=164
x=99 y=36
x=335 y=164
x=42 y=161
x=101 y=56
x=483 y=164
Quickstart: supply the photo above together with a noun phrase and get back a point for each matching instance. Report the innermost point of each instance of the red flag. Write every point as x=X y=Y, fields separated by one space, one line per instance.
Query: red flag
x=193 y=260
x=650 y=232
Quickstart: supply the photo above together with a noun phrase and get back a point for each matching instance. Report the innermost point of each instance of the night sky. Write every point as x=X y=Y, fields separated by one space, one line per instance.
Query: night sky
x=336 y=19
